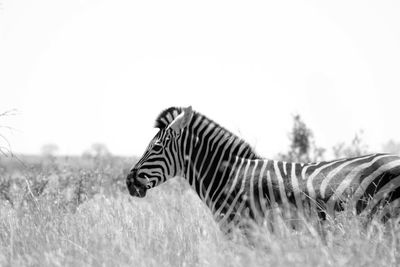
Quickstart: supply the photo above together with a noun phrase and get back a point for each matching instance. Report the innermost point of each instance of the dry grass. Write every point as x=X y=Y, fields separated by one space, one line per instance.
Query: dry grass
x=77 y=212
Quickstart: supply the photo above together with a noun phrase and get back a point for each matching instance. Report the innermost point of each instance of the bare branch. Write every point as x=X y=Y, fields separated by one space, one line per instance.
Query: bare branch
x=11 y=112
x=7 y=150
x=5 y=140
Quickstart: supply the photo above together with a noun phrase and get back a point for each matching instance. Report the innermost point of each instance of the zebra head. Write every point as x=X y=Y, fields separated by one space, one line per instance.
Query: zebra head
x=163 y=158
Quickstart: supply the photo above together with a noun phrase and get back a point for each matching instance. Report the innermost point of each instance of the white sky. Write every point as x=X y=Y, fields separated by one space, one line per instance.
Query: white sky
x=90 y=71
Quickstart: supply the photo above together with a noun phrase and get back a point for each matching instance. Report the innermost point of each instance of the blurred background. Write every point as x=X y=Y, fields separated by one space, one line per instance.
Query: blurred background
x=89 y=77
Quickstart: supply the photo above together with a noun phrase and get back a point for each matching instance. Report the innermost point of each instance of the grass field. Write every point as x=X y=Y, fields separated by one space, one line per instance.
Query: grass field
x=77 y=212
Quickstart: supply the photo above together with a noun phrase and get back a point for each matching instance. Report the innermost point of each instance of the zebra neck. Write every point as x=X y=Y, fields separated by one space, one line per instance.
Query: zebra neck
x=208 y=147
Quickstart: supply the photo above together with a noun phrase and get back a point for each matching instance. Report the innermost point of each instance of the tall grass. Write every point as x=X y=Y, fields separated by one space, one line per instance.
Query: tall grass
x=77 y=212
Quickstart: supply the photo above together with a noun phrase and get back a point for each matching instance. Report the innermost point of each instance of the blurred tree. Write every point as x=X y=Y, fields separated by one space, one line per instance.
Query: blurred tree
x=97 y=150
x=392 y=147
x=49 y=150
x=356 y=148
x=302 y=144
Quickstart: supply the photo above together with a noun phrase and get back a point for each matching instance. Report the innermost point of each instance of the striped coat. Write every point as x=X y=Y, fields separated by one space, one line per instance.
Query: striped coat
x=234 y=181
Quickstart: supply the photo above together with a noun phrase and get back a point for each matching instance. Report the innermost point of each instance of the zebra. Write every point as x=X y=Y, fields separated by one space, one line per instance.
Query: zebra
x=234 y=181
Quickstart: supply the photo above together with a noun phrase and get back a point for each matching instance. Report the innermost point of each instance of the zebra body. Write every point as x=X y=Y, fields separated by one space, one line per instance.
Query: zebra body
x=234 y=181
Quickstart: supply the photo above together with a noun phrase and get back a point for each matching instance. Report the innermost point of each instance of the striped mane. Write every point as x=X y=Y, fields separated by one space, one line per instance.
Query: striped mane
x=169 y=114
x=166 y=117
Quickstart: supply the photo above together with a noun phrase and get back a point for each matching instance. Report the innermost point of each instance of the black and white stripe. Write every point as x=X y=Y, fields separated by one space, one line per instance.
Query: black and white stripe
x=234 y=181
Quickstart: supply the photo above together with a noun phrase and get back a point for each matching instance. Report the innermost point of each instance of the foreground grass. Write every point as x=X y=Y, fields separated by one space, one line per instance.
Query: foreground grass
x=78 y=213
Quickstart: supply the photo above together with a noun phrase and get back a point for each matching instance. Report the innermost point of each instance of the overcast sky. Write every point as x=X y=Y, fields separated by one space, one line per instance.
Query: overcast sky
x=87 y=71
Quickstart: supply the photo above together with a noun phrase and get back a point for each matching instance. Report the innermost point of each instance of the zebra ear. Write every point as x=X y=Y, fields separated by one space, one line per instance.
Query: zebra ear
x=182 y=120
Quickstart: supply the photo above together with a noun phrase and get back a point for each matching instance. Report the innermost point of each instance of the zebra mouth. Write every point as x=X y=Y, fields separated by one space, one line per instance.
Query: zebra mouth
x=138 y=184
x=138 y=191
x=135 y=188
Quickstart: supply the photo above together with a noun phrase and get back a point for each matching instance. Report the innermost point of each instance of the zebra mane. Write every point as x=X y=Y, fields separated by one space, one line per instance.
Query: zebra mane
x=169 y=114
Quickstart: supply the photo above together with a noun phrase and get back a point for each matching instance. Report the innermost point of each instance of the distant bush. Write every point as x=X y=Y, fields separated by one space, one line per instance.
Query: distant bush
x=67 y=181
x=97 y=150
x=356 y=148
x=49 y=150
x=392 y=147
x=302 y=144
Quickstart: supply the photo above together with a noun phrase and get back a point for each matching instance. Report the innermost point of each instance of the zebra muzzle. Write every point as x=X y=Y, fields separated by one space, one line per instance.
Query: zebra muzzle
x=137 y=190
x=135 y=187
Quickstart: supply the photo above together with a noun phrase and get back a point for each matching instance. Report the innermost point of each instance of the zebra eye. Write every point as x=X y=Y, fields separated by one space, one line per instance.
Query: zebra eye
x=157 y=145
